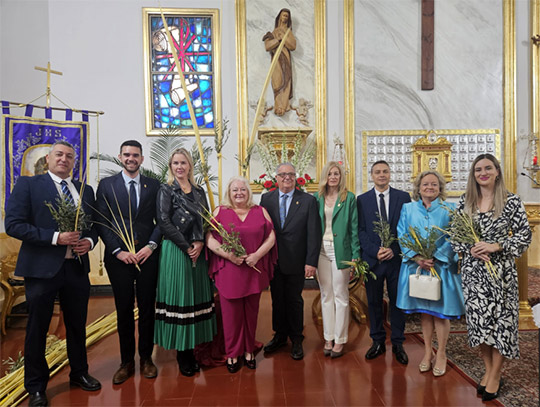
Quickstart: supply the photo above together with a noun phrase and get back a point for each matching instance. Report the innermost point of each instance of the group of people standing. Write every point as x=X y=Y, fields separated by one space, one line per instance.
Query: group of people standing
x=291 y=235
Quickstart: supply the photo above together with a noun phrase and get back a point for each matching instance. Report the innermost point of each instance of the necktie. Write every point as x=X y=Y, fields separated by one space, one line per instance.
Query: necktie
x=283 y=209
x=132 y=197
x=65 y=190
x=383 y=208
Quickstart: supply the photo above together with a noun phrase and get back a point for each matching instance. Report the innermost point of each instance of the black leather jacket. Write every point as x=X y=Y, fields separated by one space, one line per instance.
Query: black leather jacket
x=167 y=204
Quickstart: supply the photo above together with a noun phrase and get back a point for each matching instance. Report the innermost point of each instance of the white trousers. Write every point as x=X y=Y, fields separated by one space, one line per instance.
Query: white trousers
x=334 y=284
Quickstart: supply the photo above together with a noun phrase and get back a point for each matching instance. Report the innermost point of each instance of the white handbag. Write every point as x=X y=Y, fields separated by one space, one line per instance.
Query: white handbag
x=424 y=286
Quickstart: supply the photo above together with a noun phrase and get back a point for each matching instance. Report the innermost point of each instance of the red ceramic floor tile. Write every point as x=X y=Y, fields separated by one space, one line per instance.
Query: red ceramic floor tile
x=167 y=402
x=309 y=397
x=222 y=385
x=262 y=399
x=214 y=400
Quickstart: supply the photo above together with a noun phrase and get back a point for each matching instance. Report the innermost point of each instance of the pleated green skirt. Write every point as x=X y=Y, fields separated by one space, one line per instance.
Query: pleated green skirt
x=185 y=314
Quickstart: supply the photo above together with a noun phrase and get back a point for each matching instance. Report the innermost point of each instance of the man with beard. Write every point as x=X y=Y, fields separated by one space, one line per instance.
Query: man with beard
x=129 y=198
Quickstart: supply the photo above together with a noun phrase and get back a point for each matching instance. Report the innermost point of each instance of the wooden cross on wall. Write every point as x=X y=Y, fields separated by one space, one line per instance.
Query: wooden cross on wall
x=428 y=36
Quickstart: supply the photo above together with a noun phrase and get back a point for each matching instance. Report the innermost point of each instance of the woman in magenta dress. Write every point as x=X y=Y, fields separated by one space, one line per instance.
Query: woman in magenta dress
x=240 y=280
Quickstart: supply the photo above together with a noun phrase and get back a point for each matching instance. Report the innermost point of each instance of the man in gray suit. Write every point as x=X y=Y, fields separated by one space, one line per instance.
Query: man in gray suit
x=298 y=233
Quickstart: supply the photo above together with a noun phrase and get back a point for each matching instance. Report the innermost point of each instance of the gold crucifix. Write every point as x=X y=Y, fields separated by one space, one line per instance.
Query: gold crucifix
x=49 y=72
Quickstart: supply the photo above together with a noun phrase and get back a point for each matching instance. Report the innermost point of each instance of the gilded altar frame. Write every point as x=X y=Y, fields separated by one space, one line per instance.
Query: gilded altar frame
x=147 y=13
x=320 y=85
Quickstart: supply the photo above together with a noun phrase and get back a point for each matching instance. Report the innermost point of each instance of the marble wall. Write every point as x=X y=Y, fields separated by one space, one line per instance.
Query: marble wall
x=468 y=91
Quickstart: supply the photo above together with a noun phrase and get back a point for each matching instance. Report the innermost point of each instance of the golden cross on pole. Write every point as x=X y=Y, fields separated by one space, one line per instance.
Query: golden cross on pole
x=49 y=72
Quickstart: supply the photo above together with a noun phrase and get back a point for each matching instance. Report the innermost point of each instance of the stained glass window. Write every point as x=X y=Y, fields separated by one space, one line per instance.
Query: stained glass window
x=193 y=38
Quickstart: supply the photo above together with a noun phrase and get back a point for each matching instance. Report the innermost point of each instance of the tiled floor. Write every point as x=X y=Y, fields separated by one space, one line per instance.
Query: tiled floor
x=279 y=380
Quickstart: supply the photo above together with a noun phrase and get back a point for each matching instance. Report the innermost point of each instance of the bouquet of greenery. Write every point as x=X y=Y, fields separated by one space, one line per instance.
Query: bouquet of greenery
x=463 y=229
x=424 y=246
x=360 y=270
x=382 y=229
x=68 y=216
x=231 y=240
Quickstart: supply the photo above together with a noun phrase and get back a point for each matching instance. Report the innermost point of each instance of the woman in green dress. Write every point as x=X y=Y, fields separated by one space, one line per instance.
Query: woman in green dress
x=185 y=314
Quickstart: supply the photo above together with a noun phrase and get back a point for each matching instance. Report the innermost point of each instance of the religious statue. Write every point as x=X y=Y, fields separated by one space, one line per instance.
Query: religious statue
x=282 y=81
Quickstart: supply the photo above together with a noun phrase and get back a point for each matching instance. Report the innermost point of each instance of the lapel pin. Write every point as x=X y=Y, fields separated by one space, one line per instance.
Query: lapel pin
x=145 y=185
x=297 y=203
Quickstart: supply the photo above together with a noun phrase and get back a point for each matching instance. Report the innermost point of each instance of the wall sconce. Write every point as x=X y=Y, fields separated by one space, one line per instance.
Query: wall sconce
x=530 y=161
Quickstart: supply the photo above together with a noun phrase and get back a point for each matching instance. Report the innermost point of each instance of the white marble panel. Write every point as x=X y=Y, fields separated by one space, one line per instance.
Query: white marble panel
x=468 y=89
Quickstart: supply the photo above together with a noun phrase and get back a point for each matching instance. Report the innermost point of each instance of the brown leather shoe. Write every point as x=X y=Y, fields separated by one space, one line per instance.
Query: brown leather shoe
x=148 y=369
x=125 y=372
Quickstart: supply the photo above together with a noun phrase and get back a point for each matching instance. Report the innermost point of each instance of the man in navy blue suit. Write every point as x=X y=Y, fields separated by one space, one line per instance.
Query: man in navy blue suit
x=49 y=264
x=115 y=195
x=384 y=262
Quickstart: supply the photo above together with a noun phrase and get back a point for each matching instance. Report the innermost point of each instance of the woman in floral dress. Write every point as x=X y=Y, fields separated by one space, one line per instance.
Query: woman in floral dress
x=491 y=302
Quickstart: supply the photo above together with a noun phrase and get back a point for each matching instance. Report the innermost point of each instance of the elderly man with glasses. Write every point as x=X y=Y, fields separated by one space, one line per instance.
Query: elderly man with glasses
x=298 y=234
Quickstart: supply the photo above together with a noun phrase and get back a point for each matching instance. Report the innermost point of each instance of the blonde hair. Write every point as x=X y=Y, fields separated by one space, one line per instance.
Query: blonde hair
x=323 y=185
x=227 y=201
x=416 y=185
x=473 y=193
x=185 y=153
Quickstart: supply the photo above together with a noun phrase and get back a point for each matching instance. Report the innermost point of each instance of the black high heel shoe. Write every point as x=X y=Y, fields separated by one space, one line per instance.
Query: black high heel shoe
x=480 y=389
x=487 y=396
x=251 y=363
x=233 y=367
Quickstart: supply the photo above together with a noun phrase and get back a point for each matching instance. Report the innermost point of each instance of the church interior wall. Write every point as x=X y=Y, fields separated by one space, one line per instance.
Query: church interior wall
x=97 y=44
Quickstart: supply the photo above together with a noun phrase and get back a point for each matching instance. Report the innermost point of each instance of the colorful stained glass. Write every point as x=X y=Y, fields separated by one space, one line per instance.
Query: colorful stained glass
x=192 y=38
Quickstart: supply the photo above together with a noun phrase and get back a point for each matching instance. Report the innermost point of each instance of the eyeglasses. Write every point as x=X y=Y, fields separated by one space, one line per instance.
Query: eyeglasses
x=286 y=174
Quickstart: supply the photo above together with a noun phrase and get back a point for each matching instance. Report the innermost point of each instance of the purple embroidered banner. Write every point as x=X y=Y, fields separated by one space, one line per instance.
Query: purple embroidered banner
x=26 y=142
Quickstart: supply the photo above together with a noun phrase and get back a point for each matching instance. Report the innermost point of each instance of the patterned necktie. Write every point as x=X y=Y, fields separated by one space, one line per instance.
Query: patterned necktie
x=283 y=209
x=65 y=190
x=383 y=208
x=133 y=197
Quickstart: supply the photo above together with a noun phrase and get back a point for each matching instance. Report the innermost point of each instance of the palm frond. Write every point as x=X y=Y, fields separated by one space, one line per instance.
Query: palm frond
x=163 y=146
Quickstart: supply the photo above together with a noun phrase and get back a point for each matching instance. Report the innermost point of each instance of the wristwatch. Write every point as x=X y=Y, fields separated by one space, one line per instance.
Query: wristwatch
x=152 y=245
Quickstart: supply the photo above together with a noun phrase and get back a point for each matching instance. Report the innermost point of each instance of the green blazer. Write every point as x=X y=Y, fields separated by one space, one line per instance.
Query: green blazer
x=344 y=228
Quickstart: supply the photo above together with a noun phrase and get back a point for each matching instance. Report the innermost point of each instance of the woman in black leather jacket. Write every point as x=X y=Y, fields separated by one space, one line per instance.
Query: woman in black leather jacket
x=185 y=308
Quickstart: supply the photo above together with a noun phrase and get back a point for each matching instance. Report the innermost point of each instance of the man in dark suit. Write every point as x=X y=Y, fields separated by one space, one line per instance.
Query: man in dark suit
x=49 y=264
x=384 y=262
x=298 y=232
x=115 y=196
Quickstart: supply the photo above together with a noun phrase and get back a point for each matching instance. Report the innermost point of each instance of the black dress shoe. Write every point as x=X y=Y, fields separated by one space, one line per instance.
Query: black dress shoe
x=233 y=367
x=39 y=398
x=276 y=343
x=401 y=356
x=85 y=382
x=377 y=349
x=297 y=352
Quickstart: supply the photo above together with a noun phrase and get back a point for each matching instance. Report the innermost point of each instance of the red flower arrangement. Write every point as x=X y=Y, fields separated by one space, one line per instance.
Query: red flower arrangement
x=270 y=183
